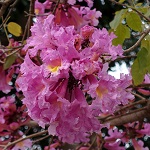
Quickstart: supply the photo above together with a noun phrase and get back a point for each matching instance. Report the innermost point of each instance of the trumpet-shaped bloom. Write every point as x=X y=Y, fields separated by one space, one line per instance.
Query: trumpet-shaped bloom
x=91 y=16
x=71 y=69
x=77 y=122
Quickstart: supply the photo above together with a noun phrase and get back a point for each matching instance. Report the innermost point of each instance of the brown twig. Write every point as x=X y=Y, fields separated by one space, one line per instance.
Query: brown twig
x=126 y=118
x=101 y=146
x=7 y=55
x=124 y=108
x=34 y=15
x=5 y=30
x=31 y=11
x=4 y=6
x=13 y=48
x=137 y=43
x=40 y=139
x=54 y=10
x=24 y=138
x=135 y=115
x=29 y=21
x=19 y=56
x=10 y=10
x=137 y=95
x=50 y=142
x=125 y=57
x=140 y=85
x=25 y=31
x=132 y=105
x=93 y=141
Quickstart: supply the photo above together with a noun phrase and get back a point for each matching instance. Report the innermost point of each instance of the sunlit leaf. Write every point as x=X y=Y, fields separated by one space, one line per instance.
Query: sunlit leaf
x=118 y=18
x=122 y=32
x=137 y=76
x=146 y=42
x=121 y=1
x=14 y=28
x=139 y=4
x=141 y=66
x=147 y=14
x=143 y=9
x=9 y=61
x=134 y=21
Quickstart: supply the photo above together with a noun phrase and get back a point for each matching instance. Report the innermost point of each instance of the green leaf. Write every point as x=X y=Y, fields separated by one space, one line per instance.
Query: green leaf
x=14 y=28
x=118 y=18
x=147 y=14
x=121 y=1
x=139 y=4
x=9 y=61
x=137 y=76
x=143 y=9
x=141 y=66
x=140 y=7
x=122 y=32
x=146 y=42
x=134 y=21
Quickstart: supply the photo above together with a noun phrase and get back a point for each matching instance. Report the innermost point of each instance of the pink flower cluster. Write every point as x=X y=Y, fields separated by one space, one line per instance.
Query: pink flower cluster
x=90 y=16
x=108 y=92
x=41 y=7
x=11 y=118
x=131 y=133
x=66 y=15
x=70 y=86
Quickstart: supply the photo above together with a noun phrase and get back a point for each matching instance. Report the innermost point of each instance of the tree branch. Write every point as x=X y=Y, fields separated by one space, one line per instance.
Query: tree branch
x=31 y=11
x=29 y=21
x=137 y=95
x=54 y=10
x=135 y=115
x=5 y=4
x=10 y=10
x=40 y=139
x=124 y=57
x=123 y=108
x=143 y=101
x=140 y=85
x=24 y=138
x=113 y=1
x=141 y=14
x=137 y=43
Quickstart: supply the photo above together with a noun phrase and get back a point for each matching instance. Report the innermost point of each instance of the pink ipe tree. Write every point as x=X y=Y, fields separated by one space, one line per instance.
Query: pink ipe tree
x=56 y=81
